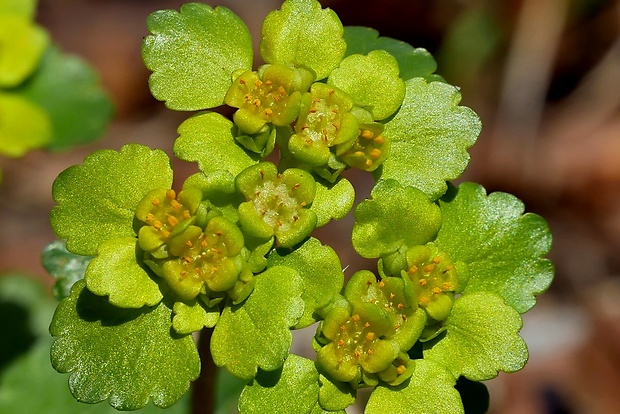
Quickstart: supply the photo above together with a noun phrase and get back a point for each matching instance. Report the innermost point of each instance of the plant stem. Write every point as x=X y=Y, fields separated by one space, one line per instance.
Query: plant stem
x=203 y=389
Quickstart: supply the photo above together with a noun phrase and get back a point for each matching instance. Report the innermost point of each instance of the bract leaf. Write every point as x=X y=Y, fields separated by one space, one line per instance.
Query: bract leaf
x=332 y=201
x=66 y=267
x=372 y=81
x=97 y=200
x=23 y=42
x=394 y=217
x=413 y=62
x=298 y=377
x=207 y=138
x=303 y=34
x=194 y=53
x=193 y=315
x=320 y=271
x=335 y=395
x=126 y=356
x=429 y=135
x=69 y=92
x=481 y=339
x=429 y=390
x=255 y=334
x=116 y=273
x=503 y=248
x=25 y=126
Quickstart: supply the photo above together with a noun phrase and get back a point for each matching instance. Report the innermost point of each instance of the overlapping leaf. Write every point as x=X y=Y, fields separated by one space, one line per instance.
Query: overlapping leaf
x=255 y=334
x=66 y=267
x=97 y=200
x=429 y=135
x=193 y=54
x=23 y=43
x=504 y=249
x=126 y=356
x=25 y=126
x=481 y=339
x=332 y=201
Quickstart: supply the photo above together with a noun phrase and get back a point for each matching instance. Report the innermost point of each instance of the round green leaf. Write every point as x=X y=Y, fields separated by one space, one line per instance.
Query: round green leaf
x=332 y=201
x=320 y=271
x=429 y=390
x=255 y=334
x=392 y=218
x=413 y=62
x=66 y=267
x=503 y=248
x=24 y=127
x=207 y=138
x=481 y=339
x=126 y=356
x=69 y=92
x=429 y=135
x=116 y=273
x=193 y=315
x=21 y=45
x=304 y=34
x=97 y=200
x=194 y=53
x=372 y=81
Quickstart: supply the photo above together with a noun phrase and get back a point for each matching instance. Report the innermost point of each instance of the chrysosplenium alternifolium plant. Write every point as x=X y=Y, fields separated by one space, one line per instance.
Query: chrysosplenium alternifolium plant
x=232 y=249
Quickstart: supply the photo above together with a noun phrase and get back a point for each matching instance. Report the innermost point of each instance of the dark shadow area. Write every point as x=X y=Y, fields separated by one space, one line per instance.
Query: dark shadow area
x=17 y=338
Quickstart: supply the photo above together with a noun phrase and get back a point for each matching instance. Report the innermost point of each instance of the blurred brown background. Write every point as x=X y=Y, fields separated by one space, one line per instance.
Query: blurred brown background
x=544 y=76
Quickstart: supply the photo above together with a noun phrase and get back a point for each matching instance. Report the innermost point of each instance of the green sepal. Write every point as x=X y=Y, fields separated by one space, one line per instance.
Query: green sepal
x=23 y=43
x=68 y=90
x=218 y=193
x=429 y=136
x=262 y=143
x=193 y=54
x=97 y=200
x=298 y=377
x=429 y=390
x=193 y=315
x=255 y=334
x=320 y=272
x=305 y=35
x=481 y=338
x=116 y=273
x=372 y=81
x=502 y=247
x=413 y=62
x=207 y=138
x=394 y=216
x=126 y=356
x=66 y=267
x=332 y=201
x=25 y=126
x=243 y=287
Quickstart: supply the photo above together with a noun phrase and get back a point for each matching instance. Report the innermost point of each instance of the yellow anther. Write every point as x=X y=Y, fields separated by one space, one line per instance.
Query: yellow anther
x=446 y=286
x=355 y=318
x=186 y=214
x=332 y=92
x=204 y=243
x=312 y=110
x=424 y=300
x=381 y=283
x=268 y=82
x=268 y=112
x=401 y=369
x=258 y=83
x=149 y=217
x=367 y=324
x=157 y=224
x=367 y=134
x=375 y=153
x=248 y=97
x=370 y=336
x=189 y=243
x=343 y=328
x=358 y=153
x=357 y=354
x=423 y=282
x=437 y=290
x=335 y=110
x=368 y=163
x=302 y=204
x=400 y=306
x=370 y=351
x=392 y=295
x=276 y=98
x=187 y=259
x=281 y=90
x=429 y=268
x=165 y=233
x=155 y=202
x=172 y=220
x=341 y=343
x=256 y=102
x=219 y=233
x=412 y=269
x=176 y=205
x=171 y=194
x=379 y=139
x=241 y=81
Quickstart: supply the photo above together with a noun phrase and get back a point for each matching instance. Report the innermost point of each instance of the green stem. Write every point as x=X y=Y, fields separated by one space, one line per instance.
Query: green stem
x=203 y=389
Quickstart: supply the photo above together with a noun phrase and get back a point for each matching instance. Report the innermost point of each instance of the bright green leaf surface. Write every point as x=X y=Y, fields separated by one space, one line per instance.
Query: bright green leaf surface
x=207 y=138
x=430 y=135
x=304 y=34
x=21 y=45
x=255 y=334
x=124 y=355
x=482 y=338
x=193 y=316
x=332 y=201
x=320 y=271
x=23 y=8
x=69 y=92
x=372 y=81
x=430 y=390
x=413 y=62
x=194 y=53
x=394 y=216
x=116 y=273
x=24 y=127
x=504 y=249
x=335 y=395
x=97 y=200
x=66 y=267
